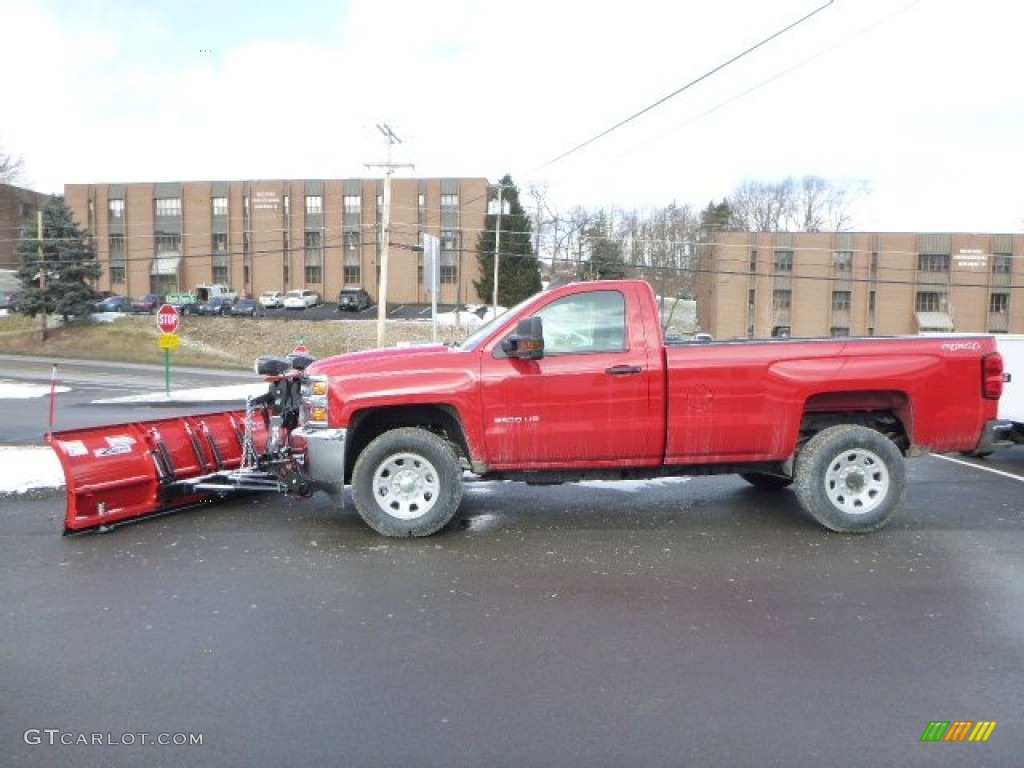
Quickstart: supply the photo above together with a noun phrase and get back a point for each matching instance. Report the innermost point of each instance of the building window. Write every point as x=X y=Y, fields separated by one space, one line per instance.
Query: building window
x=449 y=211
x=871 y=301
x=168 y=245
x=783 y=261
x=314 y=205
x=874 y=265
x=753 y=260
x=930 y=301
x=782 y=300
x=840 y=301
x=999 y=303
x=353 y=271
x=352 y=212
x=842 y=261
x=1001 y=264
x=116 y=208
x=448 y=268
x=839 y=331
x=220 y=206
x=168 y=206
x=287 y=206
x=221 y=259
x=314 y=258
x=933 y=262
x=352 y=241
x=421 y=210
x=117 y=263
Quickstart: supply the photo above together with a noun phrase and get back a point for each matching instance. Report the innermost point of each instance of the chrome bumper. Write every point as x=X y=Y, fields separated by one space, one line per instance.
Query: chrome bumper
x=996 y=434
x=321 y=454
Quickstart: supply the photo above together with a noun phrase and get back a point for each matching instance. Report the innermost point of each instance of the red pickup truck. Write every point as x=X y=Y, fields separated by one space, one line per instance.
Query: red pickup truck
x=575 y=383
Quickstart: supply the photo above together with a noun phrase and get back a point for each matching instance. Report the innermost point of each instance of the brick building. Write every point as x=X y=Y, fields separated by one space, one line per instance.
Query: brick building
x=18 y=208
x=758 y=284
x=279 y=235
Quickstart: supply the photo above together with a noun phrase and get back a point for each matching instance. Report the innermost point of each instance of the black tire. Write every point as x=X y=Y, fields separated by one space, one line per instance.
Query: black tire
x=407 y=482
x=850 y=478
x=766 y=482
x=976 y=454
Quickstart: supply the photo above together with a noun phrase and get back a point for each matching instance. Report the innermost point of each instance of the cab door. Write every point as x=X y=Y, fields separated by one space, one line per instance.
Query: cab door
x=587 y=401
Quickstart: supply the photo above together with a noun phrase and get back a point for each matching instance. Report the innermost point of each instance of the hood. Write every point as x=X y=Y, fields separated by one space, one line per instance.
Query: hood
x=387 y=359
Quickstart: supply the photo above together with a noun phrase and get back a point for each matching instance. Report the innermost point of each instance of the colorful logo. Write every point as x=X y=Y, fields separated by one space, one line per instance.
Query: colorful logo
x=958 y=730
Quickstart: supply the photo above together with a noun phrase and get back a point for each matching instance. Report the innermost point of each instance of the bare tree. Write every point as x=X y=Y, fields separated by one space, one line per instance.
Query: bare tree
x=761 y=206
x=560 y=237
x=824 y=205
x=11 y=167
x=810 y=204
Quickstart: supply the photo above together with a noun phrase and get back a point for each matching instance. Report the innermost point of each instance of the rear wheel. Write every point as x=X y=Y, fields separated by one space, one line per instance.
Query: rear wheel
x=407 y=482
x=850 y=478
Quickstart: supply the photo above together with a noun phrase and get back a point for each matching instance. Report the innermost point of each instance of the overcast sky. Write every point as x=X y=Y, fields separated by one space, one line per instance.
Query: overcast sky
x=919 y=100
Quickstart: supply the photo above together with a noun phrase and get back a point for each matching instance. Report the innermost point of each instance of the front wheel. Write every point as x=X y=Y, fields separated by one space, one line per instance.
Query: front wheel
x=850 y=478
x=407 y=482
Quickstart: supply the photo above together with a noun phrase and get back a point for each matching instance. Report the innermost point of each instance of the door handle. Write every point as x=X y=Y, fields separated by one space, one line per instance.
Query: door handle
x=623 y=370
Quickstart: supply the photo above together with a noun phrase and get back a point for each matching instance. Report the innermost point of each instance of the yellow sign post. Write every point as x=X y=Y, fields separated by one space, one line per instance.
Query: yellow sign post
x=167 y=342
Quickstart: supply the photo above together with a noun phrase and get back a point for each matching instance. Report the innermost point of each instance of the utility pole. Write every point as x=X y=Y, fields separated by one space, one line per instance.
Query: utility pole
x=42 y=268
x=382 y=287
x=497 y=247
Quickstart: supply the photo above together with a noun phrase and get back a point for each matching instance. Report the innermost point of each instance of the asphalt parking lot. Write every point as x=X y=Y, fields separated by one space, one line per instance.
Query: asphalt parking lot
x=669 y=623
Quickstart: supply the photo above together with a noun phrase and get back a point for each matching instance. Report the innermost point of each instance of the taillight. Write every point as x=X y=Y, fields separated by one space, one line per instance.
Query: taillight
x=992 y=376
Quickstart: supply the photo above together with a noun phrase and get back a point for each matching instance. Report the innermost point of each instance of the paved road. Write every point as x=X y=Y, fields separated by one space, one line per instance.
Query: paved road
x=25 y=422
x=670 y=623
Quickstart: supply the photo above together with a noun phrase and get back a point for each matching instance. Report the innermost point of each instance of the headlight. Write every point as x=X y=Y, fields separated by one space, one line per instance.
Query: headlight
x=315 y=412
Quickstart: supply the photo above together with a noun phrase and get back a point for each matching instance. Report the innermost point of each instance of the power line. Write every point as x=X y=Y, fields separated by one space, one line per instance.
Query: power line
x=689 y=85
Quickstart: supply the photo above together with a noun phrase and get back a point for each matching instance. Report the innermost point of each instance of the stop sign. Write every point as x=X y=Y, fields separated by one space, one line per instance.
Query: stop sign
x=167 y=318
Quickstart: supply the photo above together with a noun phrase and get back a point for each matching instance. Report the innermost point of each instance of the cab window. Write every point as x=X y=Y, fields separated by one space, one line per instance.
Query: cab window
x=585 y=322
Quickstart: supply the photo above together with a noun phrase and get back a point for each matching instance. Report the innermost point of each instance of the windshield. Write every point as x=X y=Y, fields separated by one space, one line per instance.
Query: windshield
x=476 y=338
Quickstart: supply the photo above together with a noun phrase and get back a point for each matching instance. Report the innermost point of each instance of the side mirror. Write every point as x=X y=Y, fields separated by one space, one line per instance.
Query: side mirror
x=527 y=343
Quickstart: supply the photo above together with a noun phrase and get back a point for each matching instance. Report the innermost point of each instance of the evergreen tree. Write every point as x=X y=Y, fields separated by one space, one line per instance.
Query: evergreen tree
x=606 y=261
x=718 y=216
x=69 y=262
x=518 y=267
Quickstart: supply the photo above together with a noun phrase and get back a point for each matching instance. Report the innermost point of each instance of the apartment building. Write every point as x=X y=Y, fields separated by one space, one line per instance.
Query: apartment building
x=261 y=235
x=760 y=284
x=18 y=209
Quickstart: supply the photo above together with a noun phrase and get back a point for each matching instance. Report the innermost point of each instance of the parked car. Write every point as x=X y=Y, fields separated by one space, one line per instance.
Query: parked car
x=271 y=299
x=149 y=303
x=302 y=298
x=9 y=299
x=114 y=304
x=245 y=308
x=218 y=305
x=353 y=299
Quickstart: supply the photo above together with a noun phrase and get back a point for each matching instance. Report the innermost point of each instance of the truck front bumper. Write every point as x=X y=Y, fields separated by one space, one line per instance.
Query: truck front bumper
x=321 y=455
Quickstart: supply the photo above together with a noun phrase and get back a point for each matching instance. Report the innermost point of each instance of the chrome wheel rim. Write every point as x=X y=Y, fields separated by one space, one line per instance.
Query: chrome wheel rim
x=406 y=486
x=857 y=481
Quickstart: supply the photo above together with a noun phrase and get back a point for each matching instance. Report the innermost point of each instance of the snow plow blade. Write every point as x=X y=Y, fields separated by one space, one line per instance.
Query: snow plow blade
x=122 y=472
